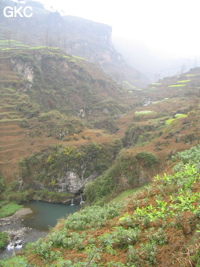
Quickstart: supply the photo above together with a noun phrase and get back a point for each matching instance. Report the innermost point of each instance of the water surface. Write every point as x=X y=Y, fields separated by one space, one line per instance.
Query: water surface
x=46 y=215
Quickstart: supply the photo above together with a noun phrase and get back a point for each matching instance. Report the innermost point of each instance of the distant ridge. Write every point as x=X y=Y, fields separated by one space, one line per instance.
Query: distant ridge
x=74 y=35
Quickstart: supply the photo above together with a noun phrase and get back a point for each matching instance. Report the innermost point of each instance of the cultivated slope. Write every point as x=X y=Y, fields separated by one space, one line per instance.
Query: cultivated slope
x=46 y=96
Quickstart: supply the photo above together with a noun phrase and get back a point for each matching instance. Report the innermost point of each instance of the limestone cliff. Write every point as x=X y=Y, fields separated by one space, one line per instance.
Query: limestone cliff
x=67 y=169
x=74 y=35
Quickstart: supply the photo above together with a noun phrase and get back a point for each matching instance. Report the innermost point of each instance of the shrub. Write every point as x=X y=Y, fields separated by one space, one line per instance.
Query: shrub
x=190 y=156
x=3 y=240
x=90 y=217
x=159 y=237
x=2 y=184
x=148 y=158
x=17 y=261
x=133 y=257
x=125 y=172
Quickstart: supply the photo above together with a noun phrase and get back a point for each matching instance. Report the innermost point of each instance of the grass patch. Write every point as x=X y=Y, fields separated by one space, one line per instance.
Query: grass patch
x=78 y=57
x=128 y=85
x=184 y=81
x=144 y=112
x=176 y=85
x=169 y=121
x=38 y=47
x=156 y=102
x=9 y=209
x=191 y=75
x=178 y=116
x=128 y=193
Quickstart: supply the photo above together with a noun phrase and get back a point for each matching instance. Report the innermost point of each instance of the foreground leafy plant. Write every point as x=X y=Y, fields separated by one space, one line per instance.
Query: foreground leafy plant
x=158 y=237
x=17 y=261
x=94 y=216
x=184 y=202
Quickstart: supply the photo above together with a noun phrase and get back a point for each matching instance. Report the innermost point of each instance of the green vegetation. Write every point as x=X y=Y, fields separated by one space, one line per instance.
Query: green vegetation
x=178 y=116
x=13 y=194
x=124 y=173
x=190 y=157
x=176 y=85
x=127 y=193
x=137 y=233
x=144 y=112
x=191 y=75
x=18 y=261
x=68 y=95
x=173 y=120
x=92 y=217
x=8 y=209
x=58 y=125
x=138 y=135
x=169 y=121
x=184 y=81
x=128 y=86
x=3 y=240
x=2 y=185
x=51 y=164
x=78 y=57
x=62 y=100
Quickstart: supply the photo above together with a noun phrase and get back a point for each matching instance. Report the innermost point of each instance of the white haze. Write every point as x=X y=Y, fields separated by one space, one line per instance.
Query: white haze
x=167 y=29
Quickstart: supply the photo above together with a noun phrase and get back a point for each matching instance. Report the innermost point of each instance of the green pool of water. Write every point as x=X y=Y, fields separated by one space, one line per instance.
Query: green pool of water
x=46 y=215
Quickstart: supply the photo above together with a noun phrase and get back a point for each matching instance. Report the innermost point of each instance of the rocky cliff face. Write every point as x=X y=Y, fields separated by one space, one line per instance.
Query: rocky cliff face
x=70 y=182
x=93 y=41
x=67 y=169
x=74 y=35
x=56 y=80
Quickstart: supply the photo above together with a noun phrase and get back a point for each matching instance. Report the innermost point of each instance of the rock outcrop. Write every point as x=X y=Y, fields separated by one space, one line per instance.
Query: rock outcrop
x=74 y=35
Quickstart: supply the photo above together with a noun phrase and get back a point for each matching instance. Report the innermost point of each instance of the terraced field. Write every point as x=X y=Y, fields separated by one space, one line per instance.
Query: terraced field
x=165 y=121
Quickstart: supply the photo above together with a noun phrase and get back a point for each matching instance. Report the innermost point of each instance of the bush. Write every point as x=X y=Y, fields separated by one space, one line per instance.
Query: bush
x=17 y=261
x=190 y=156
x=3 y=240
x=123 y=174
x=149 y=159
x=2 y=184
x=90 y=217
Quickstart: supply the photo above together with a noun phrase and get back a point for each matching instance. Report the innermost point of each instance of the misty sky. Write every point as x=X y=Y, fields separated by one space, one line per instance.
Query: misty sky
x=168 y=27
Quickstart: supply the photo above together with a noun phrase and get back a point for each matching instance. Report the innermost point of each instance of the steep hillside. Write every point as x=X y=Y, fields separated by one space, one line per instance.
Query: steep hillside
x=42 y=106
x=155 y=226
x=74 y=35
x=48 y=97
x=67 y=128
x=167 y=122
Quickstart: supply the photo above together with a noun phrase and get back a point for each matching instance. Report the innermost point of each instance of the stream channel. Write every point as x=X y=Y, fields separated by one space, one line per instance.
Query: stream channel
x=41 y=216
